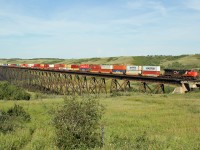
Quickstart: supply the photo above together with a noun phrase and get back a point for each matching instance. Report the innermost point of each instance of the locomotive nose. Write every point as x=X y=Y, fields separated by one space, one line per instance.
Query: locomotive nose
x=193 y=73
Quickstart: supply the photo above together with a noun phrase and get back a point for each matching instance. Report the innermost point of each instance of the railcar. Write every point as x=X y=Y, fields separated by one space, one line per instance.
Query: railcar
x=151 y=71
x=184 y=74
x=134 y=70
x=106 y=68
x=119 y=69
x=85 y=67
x=95 y=68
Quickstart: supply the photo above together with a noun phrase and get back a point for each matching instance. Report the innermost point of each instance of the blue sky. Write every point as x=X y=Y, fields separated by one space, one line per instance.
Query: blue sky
x=98 y=28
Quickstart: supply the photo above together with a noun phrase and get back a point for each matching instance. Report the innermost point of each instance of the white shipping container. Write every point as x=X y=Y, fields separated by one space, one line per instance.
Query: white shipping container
x=30 y=65
x=133 y=68
x=106 y=66
x=151 y=68
x=51 y=65
x=132 y=72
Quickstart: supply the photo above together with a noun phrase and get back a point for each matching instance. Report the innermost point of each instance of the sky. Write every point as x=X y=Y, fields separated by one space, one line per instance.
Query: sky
x=98 y=28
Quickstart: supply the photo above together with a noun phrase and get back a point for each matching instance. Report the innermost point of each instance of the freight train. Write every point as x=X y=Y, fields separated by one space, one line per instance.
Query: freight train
x=152 y=71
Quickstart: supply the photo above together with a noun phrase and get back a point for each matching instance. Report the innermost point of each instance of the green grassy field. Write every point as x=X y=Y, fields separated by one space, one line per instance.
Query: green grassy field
x=136 y=121
x=182 y=61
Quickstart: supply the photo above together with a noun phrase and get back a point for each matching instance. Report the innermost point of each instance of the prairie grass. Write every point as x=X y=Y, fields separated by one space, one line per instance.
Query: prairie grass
x=137 y=121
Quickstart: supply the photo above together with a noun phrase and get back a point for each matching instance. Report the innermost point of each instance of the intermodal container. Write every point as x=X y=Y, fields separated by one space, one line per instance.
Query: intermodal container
x=56 y=66
x=67 y=67
x=134 y=72
x=41 y=66
x=12 y=65
x=74 y=67
x=114 y=71
x=84 y=69
x=62 y=67
x=24 y=65
x=133 y=68
x=84 y=66
x=151 y=68
x=30 y=65
x=106 y=68
x=36 y=66
x=150 y=73
x=119 y=67
x=51 y=66
x=46 y=66
x=95 y=68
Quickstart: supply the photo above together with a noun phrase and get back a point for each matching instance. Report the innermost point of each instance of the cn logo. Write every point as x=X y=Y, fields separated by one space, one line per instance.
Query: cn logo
x=176 y=72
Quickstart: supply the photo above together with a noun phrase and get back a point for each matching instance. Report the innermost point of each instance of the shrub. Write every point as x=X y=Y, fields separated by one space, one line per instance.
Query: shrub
x=77 y=124
x=13 y=118
x=8 y=91
x=18 y=111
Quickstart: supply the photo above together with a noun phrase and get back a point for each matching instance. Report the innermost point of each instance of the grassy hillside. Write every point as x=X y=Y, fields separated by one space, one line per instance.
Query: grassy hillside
x=138 y=121
x=183 y=61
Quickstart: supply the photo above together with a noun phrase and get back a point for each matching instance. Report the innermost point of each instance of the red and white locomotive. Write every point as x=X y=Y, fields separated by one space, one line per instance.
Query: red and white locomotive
x=184 y=74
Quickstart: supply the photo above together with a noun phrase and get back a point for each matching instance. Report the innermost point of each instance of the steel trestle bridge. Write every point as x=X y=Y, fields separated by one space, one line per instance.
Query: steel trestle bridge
x=76 y=82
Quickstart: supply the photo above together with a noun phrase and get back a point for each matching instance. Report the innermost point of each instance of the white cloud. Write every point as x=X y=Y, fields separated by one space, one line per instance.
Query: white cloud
x=148 y=5
x=193 y=4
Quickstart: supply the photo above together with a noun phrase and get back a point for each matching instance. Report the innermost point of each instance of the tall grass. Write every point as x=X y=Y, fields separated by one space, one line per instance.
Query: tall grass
x=137 y=121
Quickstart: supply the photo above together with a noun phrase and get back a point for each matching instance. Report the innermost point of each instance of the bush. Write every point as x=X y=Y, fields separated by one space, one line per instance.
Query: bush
x=8 y=92
x=77 y=124
x=13 y=118
x=18 y=111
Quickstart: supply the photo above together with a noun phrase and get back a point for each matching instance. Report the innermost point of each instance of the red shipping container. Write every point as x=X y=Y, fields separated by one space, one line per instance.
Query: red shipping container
x=119 y=67
x=46 y=66
x=56 y=65
x=13 y=65
x=106 y=70
x=23 y=65
x=36 y=66
x=95 y=68
x=151 y=73
x=84 y=66
x=74 y=66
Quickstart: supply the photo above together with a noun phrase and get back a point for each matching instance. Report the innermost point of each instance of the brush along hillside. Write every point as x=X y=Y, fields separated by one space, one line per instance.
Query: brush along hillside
x=176 y=62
